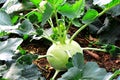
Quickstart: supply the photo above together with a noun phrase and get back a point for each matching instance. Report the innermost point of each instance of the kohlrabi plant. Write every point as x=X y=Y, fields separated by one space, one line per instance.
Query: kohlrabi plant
x=60 y=15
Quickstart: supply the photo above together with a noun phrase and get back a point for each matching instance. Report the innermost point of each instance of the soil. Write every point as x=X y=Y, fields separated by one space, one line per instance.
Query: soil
x=40 y=47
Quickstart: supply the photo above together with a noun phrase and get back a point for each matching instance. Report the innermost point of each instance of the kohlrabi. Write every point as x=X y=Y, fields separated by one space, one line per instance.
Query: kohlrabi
x=61 y=52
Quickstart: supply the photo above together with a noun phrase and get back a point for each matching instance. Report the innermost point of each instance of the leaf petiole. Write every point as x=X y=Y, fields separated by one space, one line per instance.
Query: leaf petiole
x=95 y=49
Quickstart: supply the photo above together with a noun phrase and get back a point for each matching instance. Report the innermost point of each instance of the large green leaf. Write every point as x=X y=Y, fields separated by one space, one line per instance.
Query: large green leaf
x=109 y=33
x=78 y=60
x=9 y=29
x=115 y=11
x=23 y=72
x=90 y=16
x=35 y=16
x=6 y=22
x=72 y=10
x=47 y=13
x=8 y=47
x=9 y=3
x=15 y=70
x=14 y=19
x=112 y=3
x=14 y=8
x=27 y=59
x=92 y=71
x=26 y=28
x=72 y=74
x=76 y=22
x=4 y=18
x=11 y=6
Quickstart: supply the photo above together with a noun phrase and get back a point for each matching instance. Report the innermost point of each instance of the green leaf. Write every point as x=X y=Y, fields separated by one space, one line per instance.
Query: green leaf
x=36 y=2
x=34 y=16
x=27 y=59
x=78 y=60
x=115 y=11
x=4 y=18
x=9 y=3
x=72 y=10
x=25 y=36
x=109 y=33
x=76 y=23
x=115 y=74
x=39 y=31
x=8 y=47
x=72 y=74
x=92 y=71
x=23 y=72
x=47 y=13
x=13 y=70
x=112 y=49
x=14 y=19
x=26 y=28
x=90 y=16
x=112 y=3
x=21 y=50
x=69 y=64
x=9 y=28
x=11 y=6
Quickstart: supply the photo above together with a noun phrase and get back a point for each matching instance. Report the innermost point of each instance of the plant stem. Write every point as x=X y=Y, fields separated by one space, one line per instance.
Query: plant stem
x=76 y=33
x=101 y=13
x=69 y=25
x=68 y=52
x=42 y=56
x=50 y=22
x=45 y=35
x=56 y=17
x=116 y=73
x=96 y=49
x=49 y=38
x=56 y=72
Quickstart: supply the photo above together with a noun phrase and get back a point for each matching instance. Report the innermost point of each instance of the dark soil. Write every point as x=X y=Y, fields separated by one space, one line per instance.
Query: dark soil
x=40 y=47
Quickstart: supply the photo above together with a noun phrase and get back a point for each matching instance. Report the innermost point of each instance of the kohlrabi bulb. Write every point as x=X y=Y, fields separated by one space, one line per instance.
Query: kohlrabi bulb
x=60 y=54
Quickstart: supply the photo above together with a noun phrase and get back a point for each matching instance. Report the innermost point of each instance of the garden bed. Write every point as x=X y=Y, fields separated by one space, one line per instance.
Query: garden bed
x=59 y=40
